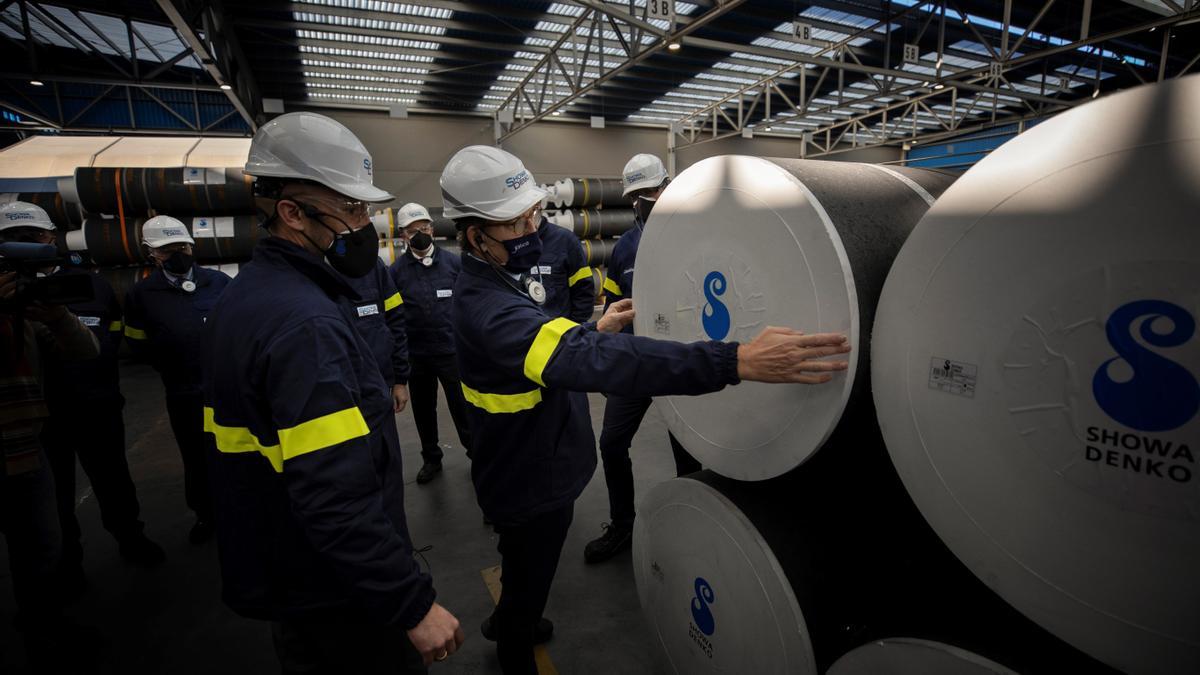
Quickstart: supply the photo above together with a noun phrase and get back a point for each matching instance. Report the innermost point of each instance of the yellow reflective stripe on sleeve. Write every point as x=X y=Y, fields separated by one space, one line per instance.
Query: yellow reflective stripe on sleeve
x=393 y=302
x=611 y=286
x=583 y=273
x=502 y=403
x=543 y=347
x=323 y=432
x=239 y=439
x=134 y=333
x=317 y=434
x=115 y=326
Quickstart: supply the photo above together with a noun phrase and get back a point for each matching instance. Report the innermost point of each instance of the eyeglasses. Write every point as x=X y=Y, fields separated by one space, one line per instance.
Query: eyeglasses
x=413 y=229
x=351 y=208
x=530 y=218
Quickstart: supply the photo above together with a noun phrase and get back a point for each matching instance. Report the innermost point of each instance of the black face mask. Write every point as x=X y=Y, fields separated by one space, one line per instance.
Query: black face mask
x=420 y=241
x=178 y=263
x=352 y=253
x=643 y=206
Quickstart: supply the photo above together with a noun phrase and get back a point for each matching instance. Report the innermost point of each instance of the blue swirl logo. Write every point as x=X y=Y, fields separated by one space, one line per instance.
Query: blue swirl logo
x=1161 y=395
x=701 y=614
x=715 y=316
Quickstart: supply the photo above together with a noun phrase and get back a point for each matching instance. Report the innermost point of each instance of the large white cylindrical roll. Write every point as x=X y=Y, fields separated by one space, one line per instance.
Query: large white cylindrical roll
x=736 y=244
x=910 y=656
x=1035 y=374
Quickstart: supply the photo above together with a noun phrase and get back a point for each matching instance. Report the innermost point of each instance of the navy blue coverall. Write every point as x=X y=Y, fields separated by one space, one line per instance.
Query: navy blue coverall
x=164 y=323
x=563 y=270
x=524 y=375
x=85 y=404
x=428 y=291
x=623 y=414
x=307 y=475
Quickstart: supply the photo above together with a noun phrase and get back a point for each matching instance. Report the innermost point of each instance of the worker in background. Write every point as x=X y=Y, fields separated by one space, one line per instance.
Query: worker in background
x=33 y=336
x=644 y=179
x=378 y=312
x=164 y=319
x=425 y=275
x=563 y=271
x=524 y=375
x=303 y=428
x=85 y=404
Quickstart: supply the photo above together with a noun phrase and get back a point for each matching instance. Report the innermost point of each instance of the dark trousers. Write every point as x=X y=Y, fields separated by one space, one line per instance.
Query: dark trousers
x=95 y=432
x=427 y=371
x=622 y=417
x=186 y=412
x=529 y=555
x=29 y=523
x=336 y=645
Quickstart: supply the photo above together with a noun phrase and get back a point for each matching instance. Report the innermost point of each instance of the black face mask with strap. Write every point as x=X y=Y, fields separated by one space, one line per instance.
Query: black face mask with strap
x=352 y=253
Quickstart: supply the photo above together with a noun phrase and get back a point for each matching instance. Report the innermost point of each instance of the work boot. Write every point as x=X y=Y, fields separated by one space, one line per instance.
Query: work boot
x=616 y=538
x=138 y=549
x=543 y=632
x=201 y=532
x=429 y=471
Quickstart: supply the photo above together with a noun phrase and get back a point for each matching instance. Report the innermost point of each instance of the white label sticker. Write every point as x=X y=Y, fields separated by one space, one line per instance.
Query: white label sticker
x=90 y=321
x=368 y=310
x=445 y=292
x=214 y=176
x=224 y=226
x=544 y=269
x=193 y=176
x=202 y=228
x=953 y=377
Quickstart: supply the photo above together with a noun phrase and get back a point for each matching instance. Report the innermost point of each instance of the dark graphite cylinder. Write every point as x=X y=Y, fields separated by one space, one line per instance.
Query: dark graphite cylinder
x=132 y=192
x=219 y=239
x=595 y=223
x=579 y=193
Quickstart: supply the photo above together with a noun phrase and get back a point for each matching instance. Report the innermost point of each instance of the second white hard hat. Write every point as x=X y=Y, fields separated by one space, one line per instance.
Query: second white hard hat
x=641 y=172
x=411 y=213
x=489 y=183
x=23 y=214
x=162 y=230
x=308 y=146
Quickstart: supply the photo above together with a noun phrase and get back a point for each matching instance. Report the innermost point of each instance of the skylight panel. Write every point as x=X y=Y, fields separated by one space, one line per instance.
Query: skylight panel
x=377 y=67
x=365 y=54
x=372 y=24
x=359 y=97
x=412 y=9
x=365 y=39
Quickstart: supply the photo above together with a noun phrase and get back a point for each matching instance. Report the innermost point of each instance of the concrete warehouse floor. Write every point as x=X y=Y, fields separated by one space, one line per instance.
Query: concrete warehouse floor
x=171 y=619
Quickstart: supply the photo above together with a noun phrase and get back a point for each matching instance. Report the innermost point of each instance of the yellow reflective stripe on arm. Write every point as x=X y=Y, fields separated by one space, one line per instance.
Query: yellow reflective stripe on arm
x=323 y=432
x=502 y=403
x=543 y=347
x=393 y=302
x=134 y=333
x=583 y=273
x=239 y=439
x=611 y=286
x=115 y=326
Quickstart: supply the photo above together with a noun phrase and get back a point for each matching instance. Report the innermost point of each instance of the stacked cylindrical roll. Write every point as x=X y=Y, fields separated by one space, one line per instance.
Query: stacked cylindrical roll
x=1012 y=485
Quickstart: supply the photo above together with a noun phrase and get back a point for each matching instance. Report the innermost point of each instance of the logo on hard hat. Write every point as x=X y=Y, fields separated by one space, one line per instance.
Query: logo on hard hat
x=19 y=215
x=635 y=177
x=1158 y=394
x=367 y=165
x=516 y=181
x=715 y=315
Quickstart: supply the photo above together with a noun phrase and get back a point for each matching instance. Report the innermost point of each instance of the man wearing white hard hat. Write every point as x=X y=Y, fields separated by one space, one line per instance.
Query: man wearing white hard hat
x=524 y=374
x=85 y=405
x=425 y=275
x=308 y=480
x=164 y=318
x=643 y=180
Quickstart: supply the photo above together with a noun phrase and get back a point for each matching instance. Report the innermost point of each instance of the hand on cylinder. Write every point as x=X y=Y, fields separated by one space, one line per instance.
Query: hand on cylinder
x=787 y=355
x=437 y=636
x=616 y=317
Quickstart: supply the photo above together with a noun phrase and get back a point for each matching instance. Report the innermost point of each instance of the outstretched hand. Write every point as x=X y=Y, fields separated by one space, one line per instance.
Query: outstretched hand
x=788 y=355
x=616 y=317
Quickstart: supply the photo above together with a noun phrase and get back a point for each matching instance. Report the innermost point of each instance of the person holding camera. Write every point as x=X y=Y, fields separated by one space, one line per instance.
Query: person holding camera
x=164 y=320
x=33 y=334
x=85 y=404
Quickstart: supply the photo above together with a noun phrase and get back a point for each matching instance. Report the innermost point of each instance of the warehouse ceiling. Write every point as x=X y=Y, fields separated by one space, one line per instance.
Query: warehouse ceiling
x=859 y=72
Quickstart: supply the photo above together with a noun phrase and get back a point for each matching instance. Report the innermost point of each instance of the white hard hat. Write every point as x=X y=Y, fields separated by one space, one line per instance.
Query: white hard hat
x=483 y=181
x=308 y=146
x=162 y=230
x=411 y=213
x=641 y=172
x=23 y=214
